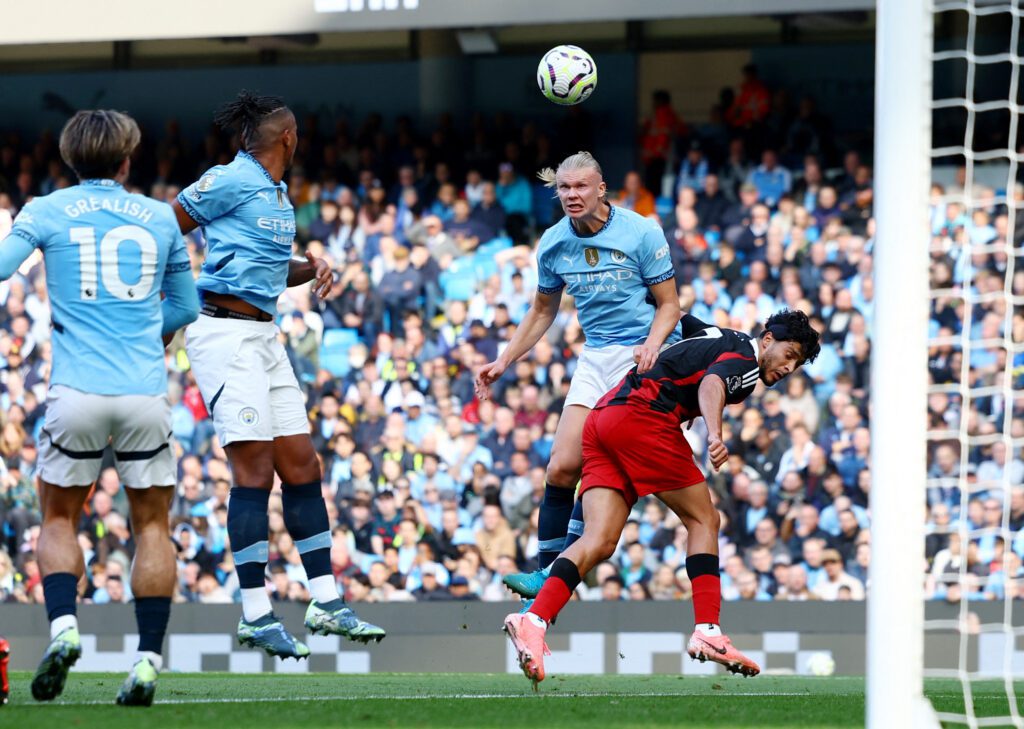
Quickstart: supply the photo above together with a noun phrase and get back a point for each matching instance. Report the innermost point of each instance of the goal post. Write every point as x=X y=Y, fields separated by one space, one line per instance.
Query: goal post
x=895 y=610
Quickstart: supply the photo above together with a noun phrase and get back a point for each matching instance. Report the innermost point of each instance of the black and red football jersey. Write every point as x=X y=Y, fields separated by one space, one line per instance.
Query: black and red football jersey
x=671 y=386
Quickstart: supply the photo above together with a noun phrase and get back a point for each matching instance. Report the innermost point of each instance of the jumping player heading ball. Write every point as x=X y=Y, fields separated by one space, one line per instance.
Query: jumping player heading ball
x=633 y=446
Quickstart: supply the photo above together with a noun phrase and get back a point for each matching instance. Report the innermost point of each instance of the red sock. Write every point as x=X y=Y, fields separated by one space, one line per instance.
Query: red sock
x=551 y=599
x=707 y=598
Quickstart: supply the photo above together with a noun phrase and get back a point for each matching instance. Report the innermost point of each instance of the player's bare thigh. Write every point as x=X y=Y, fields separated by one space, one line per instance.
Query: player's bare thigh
x=605 y=512
x=566 y=462
x=253 y=462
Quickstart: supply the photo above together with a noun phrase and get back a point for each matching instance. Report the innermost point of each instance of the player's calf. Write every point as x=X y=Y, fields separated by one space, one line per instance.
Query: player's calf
x=60 y=591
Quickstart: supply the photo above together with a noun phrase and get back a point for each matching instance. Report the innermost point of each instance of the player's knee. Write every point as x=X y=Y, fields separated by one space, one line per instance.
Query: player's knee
x=59 y=510
x=714 y=520
x=604 y=546
x=708 y=519
x=563 y=471
x=253 y=467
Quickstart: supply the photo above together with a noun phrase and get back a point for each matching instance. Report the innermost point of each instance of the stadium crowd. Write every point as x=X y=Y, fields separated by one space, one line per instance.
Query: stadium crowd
x=433 y=494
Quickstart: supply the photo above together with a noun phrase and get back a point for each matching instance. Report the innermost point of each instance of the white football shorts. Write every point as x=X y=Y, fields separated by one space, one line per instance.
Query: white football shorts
x=80 y=425
x=599 y=370
x=246 y=379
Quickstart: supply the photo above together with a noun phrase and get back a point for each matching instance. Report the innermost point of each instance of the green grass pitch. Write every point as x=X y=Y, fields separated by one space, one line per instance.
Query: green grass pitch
x=220 y=701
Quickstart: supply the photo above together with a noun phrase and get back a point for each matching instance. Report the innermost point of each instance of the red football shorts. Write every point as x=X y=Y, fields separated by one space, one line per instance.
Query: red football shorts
x=636 y=452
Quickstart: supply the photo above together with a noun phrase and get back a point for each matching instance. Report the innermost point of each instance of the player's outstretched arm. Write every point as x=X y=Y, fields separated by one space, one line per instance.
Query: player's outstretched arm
x=666 y=318
x=538 y=319
x=13 y=251
x=711 y=399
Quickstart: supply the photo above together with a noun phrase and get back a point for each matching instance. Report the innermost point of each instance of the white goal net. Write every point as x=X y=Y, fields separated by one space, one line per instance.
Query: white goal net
x=972 y=654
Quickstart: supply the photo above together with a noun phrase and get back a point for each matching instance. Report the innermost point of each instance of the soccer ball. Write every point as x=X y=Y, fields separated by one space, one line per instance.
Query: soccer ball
x=567 y=75
x=821 y=664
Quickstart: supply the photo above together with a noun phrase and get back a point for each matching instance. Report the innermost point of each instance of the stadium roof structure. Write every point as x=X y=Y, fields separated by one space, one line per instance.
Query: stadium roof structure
x=70 y=21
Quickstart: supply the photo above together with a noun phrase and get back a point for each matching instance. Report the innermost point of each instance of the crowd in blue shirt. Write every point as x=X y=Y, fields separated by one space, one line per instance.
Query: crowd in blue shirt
x=434 y=494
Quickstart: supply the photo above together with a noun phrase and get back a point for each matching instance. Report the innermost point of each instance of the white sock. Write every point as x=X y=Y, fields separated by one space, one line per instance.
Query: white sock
x=537 y=620
x=323 y=588
x=255 y=603
x=61 y=624
x=155 y=658
x=711 y=630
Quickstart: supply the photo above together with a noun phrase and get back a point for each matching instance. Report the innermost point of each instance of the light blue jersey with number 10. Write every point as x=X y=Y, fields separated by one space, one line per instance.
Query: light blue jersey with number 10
x=109 y=254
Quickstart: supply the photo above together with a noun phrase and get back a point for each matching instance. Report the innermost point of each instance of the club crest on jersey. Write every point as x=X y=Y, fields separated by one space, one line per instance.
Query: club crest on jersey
x=618 y=256
x=206 y=182
x=248 y=416
x=734 y=383
x=591 y=255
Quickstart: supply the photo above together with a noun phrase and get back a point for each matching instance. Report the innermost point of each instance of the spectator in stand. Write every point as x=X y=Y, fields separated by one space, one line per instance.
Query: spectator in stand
x=467 y=233
x=516 y=200
x=634 y=196
x=658 y=135
x=752 y=103
x=400 y=289
x=771 y=179
x=712 y=204
x=489 y=212
x=694 y=169
x=836 y=578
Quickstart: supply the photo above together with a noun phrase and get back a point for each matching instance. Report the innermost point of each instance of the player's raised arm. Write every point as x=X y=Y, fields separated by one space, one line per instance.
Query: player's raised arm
x=666 y=318
x=659 y=278
x=538 y=319
x=711 y=398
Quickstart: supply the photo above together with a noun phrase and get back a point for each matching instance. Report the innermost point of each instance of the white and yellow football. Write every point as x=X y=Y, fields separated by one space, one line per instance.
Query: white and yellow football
x=567 y=75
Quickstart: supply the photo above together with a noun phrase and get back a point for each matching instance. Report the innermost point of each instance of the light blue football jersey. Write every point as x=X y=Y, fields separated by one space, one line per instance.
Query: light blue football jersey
x=249 y=224
x=608 y=273
x=108 y=253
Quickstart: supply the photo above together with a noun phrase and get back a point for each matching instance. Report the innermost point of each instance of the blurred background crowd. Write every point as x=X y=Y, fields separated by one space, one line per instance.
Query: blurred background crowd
x=434 y=494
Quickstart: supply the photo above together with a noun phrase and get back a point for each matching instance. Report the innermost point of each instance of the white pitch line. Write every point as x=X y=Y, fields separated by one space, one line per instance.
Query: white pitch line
x=420 y=697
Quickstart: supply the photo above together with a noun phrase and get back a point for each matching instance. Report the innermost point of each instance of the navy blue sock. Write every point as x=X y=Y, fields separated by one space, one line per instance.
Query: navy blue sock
x=60 y=591
x=555 y=511
x=152 y=614
x=575 y=525
x=305 y=516
x=248 y=528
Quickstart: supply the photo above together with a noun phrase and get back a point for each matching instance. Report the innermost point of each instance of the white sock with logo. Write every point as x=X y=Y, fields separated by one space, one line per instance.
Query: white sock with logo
x=711 y=630
x=323 y=589
x=537 y=620
x=255 y=603
x=155 y=658
x=59 y=625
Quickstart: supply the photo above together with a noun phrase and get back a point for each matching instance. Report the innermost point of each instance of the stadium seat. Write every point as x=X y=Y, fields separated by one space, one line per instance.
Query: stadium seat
x=495 y=245
x=334 y=350
x=459 y=282
x=484 y=266
x=664 y=206
x=543 y=205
